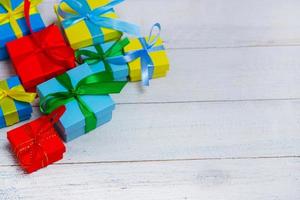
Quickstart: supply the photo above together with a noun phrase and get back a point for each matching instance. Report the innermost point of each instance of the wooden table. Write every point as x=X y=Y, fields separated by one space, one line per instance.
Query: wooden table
x=224 y=124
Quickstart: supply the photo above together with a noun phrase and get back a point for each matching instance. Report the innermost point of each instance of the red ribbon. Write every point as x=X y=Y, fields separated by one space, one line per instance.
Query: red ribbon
x=45 y=132
x=43 y=43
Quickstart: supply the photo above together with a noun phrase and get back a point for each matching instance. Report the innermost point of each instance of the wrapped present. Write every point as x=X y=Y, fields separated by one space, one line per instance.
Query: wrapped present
x=84 y=91
x=12 y=22
x=36 y=144
x=147 y=58
x=14 y=102
x=99 y=56
x=90 y=22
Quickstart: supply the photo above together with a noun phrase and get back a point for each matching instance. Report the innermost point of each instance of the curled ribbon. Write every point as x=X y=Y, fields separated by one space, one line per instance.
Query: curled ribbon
x=96 y=84
x=147 y=66
x=12 y=15
x=95 y=18
x=7 y=104
x=44 y=132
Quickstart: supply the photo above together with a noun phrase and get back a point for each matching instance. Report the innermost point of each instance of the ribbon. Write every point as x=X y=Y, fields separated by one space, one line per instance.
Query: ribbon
x=44 y=45
x=91 y=57
x=95 y=18
x=39 y=135
x=147 y=65
x=96 y=84
x=7 y=104
x=13 y=14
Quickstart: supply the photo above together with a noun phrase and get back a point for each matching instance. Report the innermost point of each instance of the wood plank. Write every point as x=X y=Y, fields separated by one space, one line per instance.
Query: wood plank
x=212 y=179
x=218 y=74
x=213 y=23
x=187 y=131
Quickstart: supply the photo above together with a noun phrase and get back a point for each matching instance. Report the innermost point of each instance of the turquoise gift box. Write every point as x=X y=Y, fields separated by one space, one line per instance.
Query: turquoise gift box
x=23 y=109
x=120 y=72
x=72 y=124
x=8 y=31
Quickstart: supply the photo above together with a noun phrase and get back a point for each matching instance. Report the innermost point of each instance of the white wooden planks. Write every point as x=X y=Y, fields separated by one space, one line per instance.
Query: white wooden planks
x=212 y=23
x=188 y=131
x=219 y=74
x=211 y=179
x=224 y=124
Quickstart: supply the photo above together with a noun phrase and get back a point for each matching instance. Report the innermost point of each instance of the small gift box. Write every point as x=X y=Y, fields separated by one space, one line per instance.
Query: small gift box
x=90 y=22
x=12 y=22
x=148 y=58
x=100 y=56
x=14 y=102
x=36 y=144
x=84 y=92
x=40 y=56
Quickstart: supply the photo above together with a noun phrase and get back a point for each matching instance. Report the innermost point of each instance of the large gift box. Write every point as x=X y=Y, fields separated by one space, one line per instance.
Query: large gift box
x=40 y=56
x=99 y=56
x=36 y=144
x=14 y=102
x=13 y=24
x=84 y=92
x=90 y=22
x=148 y=59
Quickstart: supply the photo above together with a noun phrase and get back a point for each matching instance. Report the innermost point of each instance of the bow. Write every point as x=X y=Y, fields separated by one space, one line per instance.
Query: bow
x=95 y=18
x=96 y=84
x=13 y=14
x=91 y=57
x=147 y=66
x=38 y=135
x=7 y=104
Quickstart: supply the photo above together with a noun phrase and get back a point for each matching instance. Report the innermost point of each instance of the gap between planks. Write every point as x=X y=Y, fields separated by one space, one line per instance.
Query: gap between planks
x=171 y=160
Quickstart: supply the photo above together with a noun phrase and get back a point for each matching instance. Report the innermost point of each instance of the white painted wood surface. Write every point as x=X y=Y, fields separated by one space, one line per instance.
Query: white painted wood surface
x=224 y=124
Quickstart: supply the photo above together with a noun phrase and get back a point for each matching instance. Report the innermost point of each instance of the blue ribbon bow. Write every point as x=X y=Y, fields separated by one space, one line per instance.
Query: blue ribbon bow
x=147 y=66
x=95 y=18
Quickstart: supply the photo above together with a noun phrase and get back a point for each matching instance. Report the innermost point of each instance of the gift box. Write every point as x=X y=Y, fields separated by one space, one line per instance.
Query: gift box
x=36 y=144
x=99 y=57
x=90 y=22
x=13 y=24
x=40 y=56
x=84 y=92
x=149 y=59
x=14 y=102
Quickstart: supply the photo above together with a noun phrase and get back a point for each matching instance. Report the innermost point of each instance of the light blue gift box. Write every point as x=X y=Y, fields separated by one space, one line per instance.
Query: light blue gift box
x=72 y=124
x=6 y=32
x=120 y=72
x=24 y=109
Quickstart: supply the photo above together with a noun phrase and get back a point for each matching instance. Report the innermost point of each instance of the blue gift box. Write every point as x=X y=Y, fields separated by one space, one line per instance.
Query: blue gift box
x=24 y=109
x=120 y=72
x=6 y=32
x=72 y=124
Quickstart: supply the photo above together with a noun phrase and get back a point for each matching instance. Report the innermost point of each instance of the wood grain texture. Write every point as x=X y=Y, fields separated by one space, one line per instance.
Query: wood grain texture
x=218 y=74
x=223 y=125
x=187 y=131
x=213 y=23
x=184 y=180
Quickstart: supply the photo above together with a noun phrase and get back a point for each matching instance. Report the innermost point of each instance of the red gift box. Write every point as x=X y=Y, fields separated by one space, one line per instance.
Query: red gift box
x=37 y=144
x=40 y=56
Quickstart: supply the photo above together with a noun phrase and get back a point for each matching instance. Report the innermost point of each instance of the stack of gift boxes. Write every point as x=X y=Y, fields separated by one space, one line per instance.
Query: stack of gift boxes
x=73 y=72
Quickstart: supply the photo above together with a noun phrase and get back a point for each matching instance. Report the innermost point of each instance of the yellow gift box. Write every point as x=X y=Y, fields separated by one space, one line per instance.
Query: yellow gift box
x=159 y=58
x=79 y=35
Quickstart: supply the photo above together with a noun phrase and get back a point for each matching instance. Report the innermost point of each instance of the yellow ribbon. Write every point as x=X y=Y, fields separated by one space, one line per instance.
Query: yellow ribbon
x=7 y=104
x=12 y=15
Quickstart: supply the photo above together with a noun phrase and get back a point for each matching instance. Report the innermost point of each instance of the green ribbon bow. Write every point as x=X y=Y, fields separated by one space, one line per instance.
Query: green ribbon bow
x=97 y=84
x=92 y=58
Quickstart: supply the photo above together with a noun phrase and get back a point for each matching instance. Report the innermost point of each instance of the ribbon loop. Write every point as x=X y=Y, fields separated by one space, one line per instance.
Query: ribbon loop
x=13 y=14
x=95 y=16
x=34 y=145
x=95 y=84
